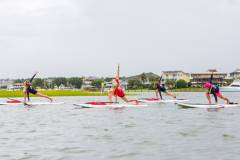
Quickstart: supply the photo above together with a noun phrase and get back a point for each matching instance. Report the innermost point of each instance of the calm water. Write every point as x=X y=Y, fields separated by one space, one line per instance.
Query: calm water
x=158 y=132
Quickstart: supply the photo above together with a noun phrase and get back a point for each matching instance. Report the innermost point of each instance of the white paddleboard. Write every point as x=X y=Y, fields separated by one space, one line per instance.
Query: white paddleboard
x=32 y=103
x=152 y=100
x=208 y=106
x=83 y=105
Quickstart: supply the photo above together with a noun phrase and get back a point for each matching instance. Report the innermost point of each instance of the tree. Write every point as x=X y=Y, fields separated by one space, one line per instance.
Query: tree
x=59 y=81
x=75 y=82
x=229 y=81
x=19 y=81
x=143 y=77
x=153 y=79
x=97 y=83
x=38 y=82
x=108 y=79
x=170 y=83
x=134 y=83
x=181 y=84
x=189 y=84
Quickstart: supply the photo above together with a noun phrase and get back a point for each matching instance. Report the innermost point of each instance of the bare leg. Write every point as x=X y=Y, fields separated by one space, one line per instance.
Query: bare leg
x=128 y=101
x=25 y=96
x=209 y=98
x=42 y=95
x=157 y=93
x=225 y=99
x=170 y=94
x=110 y=94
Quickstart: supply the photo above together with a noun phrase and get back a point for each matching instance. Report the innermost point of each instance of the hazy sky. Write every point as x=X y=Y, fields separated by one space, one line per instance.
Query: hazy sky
x=89 y=37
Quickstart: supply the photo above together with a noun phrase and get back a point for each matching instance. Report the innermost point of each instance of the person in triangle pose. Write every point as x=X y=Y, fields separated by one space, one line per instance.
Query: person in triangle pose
x=160 y=87
x=28 y=88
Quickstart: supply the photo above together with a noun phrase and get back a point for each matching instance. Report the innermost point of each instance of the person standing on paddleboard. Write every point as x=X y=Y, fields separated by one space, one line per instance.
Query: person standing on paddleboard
x=27 y=89
x=117 y=91
x=161 y=88
x=215 y=91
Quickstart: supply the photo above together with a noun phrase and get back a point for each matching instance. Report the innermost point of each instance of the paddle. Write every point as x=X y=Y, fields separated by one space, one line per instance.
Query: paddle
x=24 y=103
x=232 y=103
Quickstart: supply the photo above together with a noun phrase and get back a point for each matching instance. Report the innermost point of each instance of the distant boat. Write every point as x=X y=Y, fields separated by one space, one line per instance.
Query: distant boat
x=234 y=87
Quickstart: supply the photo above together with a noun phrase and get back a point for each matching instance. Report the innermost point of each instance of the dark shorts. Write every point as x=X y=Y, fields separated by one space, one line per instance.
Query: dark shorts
x=32 y=91
x=162 y=89
x=215 y=90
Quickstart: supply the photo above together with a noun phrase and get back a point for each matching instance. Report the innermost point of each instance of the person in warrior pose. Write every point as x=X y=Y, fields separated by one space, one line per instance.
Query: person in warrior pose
x=117 y=91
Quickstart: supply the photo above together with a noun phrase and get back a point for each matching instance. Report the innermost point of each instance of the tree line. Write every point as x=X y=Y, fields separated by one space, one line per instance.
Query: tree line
x=138 y=84
x=50 y=83
x=141 y=82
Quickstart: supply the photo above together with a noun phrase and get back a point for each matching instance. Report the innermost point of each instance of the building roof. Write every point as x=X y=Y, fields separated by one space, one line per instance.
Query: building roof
x=173 y=71
x=236 y=71
x=212 y=70
x=209 y=73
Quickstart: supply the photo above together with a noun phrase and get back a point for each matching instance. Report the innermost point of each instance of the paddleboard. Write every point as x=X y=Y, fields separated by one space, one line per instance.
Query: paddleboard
x=207 y=106
x=156 y=100
x=86 y=105
x=32 y=103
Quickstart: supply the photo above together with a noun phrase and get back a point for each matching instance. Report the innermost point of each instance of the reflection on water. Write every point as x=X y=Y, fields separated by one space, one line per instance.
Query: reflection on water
x=163 y=131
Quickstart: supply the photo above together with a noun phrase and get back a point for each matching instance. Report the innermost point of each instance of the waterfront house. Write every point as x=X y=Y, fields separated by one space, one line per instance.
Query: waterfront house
x=198 y=79
x=5 y=82
x=15 y=86
x=176 y=75
x=235 y=74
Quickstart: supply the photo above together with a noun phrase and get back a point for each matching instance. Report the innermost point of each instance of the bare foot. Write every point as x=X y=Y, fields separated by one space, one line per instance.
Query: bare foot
x=51 y=100
x=136 y=102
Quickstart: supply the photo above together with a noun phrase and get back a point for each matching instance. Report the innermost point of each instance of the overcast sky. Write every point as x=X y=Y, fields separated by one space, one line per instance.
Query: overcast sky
x=89 y=37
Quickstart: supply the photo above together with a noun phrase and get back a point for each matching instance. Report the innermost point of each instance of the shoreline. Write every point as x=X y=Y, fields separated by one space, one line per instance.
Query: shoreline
x=172 y=90
x=53 y=93
x=66 y=93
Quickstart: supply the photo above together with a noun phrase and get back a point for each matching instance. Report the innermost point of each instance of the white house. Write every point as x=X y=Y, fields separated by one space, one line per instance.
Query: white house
x=87 y=84
x=235 y=74
x=5 y=82
x=176 y=75
x=15 y=86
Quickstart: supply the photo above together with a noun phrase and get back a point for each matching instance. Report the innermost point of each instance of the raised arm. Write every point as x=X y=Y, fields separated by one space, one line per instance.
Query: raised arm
x=33 y=77
x=211 y=79
x=160 y=80
x=118 y=72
